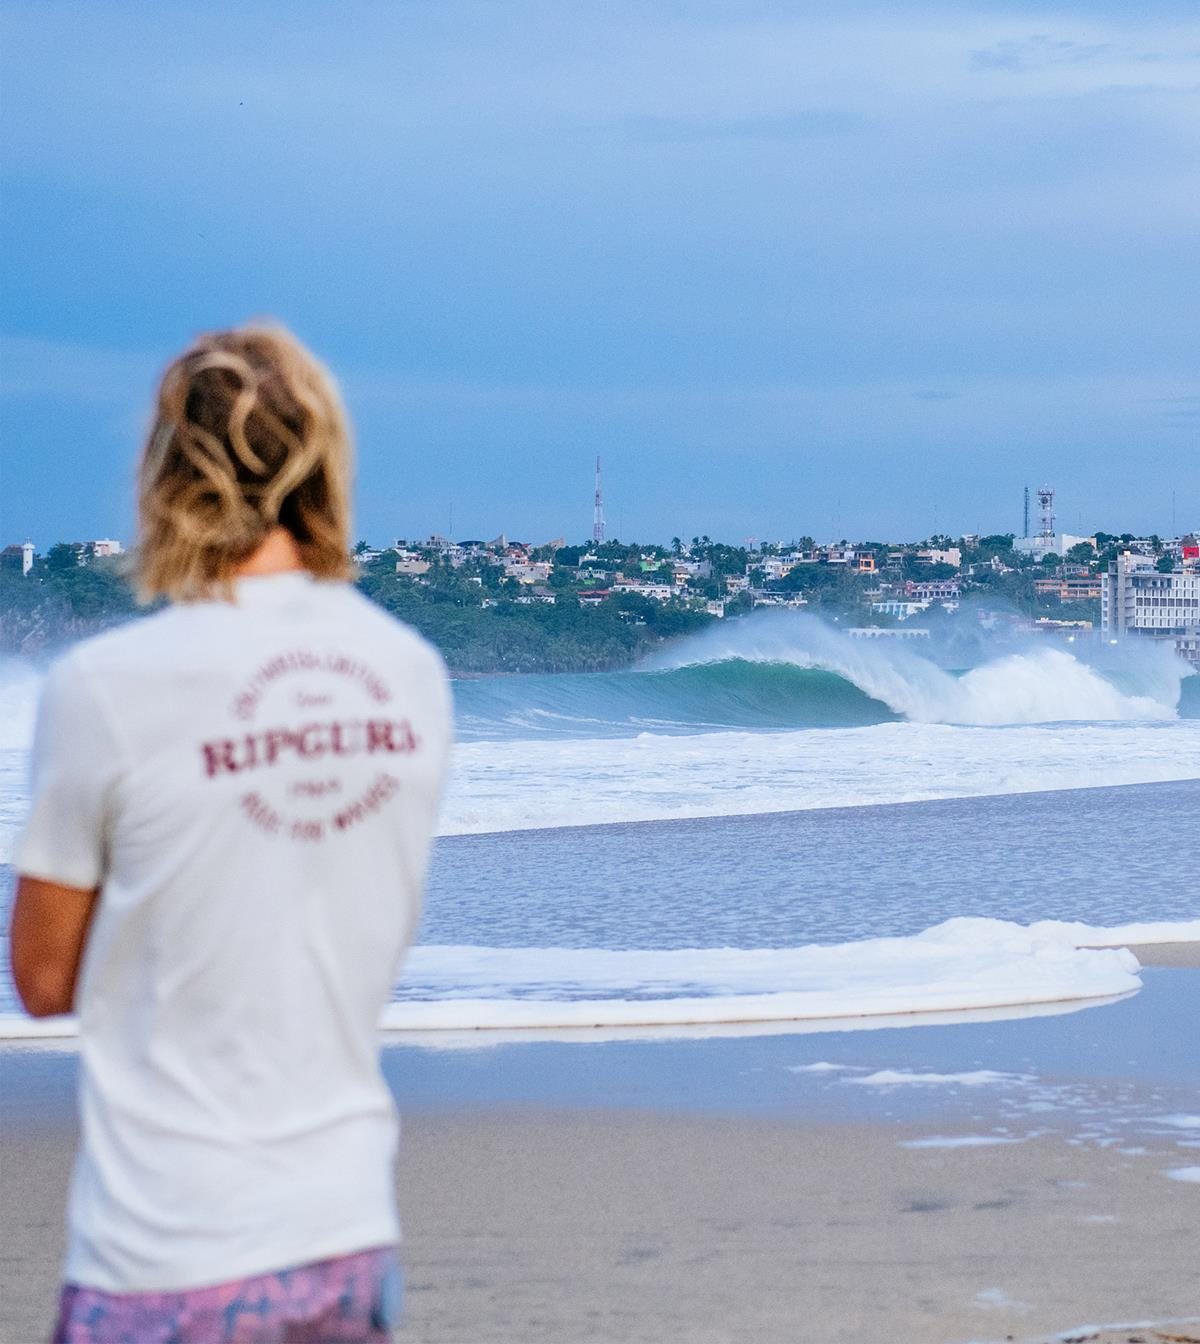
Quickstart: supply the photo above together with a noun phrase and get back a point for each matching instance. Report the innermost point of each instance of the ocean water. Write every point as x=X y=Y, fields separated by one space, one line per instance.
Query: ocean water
x=663 y=845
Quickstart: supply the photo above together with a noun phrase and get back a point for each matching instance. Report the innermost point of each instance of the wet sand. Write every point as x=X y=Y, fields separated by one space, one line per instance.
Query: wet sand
x=557 y=1227
x=721 y=1191
x=1167 y=954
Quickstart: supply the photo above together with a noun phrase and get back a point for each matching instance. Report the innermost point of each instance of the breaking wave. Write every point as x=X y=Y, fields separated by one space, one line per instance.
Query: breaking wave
x=792 y=671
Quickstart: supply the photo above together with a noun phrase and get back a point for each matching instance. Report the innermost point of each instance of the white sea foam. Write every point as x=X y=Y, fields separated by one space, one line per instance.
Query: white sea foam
x=962 y=964
x=519 y=785
x=1132 y=935
x=1189 y=1174
x=959 y=965
x=909 y=1078
x=20 y=683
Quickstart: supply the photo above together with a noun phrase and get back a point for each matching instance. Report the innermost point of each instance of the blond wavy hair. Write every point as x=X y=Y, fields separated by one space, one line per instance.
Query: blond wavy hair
x=249 y=434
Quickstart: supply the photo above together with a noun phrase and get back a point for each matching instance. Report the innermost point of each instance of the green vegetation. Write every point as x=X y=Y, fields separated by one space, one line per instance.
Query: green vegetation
x=61 y=601
x=496 y=607
x=563 y=636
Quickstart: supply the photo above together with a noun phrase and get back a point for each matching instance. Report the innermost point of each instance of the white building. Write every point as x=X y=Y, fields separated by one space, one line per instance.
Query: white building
x=1048 y=543
x=900 y=609
x=765 y=599
x=1137 y=599
x=658 y=592
x=935 y=555
x=528 y=571
x=776 y=567
x=937 y=590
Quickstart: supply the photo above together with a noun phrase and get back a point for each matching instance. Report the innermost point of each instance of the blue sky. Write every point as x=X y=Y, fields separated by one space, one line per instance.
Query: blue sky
x=827 y=268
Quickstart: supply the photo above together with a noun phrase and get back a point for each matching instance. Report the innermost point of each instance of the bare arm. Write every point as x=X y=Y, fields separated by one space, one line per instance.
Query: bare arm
x=49 y=928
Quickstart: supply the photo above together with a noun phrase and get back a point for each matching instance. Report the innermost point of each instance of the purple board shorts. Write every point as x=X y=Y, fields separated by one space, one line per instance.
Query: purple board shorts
x=352 y=1299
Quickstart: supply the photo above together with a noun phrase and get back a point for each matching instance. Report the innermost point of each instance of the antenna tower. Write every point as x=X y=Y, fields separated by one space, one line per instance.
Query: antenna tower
x=1045 y=513
x=598 y=510
x=1026 y=532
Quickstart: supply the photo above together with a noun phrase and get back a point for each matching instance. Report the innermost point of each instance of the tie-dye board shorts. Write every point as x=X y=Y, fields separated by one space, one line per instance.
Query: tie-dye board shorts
x=352 y=1299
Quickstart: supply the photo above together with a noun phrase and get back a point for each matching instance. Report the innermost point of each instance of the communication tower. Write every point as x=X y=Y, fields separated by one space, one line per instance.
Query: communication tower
x=598 y=510
x=1026 y=532
x=1045 y=513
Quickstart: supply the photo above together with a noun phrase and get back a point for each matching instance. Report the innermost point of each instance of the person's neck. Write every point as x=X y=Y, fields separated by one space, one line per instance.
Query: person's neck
x=276 y=554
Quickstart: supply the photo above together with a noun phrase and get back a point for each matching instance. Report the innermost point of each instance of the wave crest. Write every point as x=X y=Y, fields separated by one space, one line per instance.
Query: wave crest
x=1034 y=685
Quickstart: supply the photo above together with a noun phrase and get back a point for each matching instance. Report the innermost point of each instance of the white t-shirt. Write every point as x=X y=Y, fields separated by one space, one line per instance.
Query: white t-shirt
x=253 y=786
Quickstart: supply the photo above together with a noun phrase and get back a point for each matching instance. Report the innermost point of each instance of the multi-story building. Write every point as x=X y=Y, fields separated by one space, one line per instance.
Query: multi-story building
x=1048 y=543
x=527 y=571
x=937 y=555
x=1137 y=598
x=776 y=567
x=659 y=592
x=1072 y=588
x=936 y=590
x=899 y=608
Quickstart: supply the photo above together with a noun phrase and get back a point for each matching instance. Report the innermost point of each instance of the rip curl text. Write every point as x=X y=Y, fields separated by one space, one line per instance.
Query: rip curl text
x=272 y=746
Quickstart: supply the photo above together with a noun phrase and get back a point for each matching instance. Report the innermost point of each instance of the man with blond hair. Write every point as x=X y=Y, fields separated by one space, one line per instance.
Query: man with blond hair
x=233 y=805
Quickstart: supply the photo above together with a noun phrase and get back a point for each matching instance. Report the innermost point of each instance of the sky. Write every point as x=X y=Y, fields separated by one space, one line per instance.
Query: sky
x=831 y=268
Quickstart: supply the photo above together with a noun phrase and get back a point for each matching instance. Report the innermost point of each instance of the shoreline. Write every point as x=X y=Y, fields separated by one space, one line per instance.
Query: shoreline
x=923 y=800
x=19 y=1032
x=1131 y=1332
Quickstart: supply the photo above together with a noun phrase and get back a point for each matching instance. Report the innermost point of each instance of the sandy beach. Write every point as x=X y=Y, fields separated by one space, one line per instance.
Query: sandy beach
x=827 y=1189
x=616 y=1227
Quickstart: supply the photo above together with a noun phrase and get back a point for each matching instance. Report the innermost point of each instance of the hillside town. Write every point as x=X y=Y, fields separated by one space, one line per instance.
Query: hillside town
x=1106 y=586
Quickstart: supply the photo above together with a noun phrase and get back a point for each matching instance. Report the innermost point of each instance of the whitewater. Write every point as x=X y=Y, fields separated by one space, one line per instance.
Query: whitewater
x=778 y=713
x=959 y=966
x=770 y=716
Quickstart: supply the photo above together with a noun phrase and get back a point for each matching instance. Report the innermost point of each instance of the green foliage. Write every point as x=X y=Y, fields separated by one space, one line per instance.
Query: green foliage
x=997 y=546
x=62 y=558
x=834 y=586
x=542 y=637
x=61 y=600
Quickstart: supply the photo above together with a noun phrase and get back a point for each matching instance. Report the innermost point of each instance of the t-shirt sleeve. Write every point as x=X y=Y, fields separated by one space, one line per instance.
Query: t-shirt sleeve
x=75 y=767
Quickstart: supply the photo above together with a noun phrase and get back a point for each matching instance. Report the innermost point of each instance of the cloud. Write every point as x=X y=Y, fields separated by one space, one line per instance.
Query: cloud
x=1037 y=52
